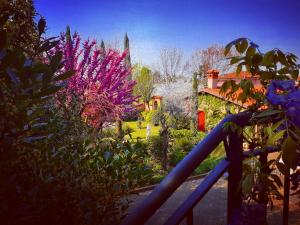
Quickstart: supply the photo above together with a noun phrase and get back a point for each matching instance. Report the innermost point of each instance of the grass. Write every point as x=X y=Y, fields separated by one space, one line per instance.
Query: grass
x=141 y=133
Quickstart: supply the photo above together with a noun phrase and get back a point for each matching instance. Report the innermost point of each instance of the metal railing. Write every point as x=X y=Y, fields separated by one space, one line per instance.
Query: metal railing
x=233 y=163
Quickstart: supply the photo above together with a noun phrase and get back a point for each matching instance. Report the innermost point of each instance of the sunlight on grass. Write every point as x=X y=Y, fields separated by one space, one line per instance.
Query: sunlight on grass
x=141 y=132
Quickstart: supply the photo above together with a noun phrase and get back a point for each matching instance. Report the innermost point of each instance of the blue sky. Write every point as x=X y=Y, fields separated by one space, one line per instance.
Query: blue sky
x=186 y=24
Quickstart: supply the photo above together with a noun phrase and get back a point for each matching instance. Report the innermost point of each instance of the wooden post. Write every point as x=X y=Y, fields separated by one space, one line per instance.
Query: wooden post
x=190 y=218
x=286 y=200
x=234 y=151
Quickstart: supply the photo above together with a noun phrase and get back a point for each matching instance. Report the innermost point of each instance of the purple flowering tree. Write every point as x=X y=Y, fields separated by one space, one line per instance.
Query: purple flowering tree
x=100 y=90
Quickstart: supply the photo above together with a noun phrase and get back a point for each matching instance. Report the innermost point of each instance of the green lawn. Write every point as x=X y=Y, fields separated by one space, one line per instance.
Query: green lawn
x=141 y=132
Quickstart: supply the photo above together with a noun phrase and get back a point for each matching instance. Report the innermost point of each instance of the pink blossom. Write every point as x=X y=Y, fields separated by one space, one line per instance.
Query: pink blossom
x=100 y=86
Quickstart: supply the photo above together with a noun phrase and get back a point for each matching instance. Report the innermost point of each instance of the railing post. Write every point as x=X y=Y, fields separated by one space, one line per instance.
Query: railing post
x=234 y=151
x=190 y=217
x=286 y=198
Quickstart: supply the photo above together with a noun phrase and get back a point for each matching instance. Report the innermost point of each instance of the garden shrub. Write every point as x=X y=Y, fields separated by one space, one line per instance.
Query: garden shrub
x=182 y=142
x=180 y=121
x=55 y=168
x=155 y=146
x=147 y=116
x=207 y=165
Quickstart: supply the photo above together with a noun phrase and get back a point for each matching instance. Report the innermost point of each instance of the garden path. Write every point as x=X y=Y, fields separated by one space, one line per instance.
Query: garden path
x=212 y=208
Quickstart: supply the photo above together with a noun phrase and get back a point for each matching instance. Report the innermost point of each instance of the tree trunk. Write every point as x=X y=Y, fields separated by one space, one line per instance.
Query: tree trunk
x=195 y=104
x=165 y=145
x=119 y=128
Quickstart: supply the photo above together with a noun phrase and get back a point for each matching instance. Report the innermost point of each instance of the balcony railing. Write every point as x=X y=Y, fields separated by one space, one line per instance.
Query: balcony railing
x=233 y=143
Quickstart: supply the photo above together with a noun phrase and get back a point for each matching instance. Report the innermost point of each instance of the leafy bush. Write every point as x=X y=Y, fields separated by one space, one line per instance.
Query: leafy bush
x=116 y=168
x=207 y=165
x=182 y=142
x=176 y=156
x=56 y=169
x=147 y=116
x=155 y=146
x=180 y=121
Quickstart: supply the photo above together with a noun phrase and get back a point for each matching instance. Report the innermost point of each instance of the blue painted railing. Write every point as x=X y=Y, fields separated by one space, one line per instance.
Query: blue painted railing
x=233 y=143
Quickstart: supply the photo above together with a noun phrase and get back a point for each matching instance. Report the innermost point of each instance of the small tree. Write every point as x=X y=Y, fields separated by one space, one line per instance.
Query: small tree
x=161 y=117
x=195 y=103
x=144 y=85
x=100 y=90
x=170 y=64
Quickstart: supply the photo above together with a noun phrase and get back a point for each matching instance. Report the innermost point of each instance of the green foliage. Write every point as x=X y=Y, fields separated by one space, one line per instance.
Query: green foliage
x=154 y=147
x=26 y=88
x=260 y=182
x=180 y=121
x=17 y=19
x=144 y=86
x=214 y=108
x=182 y=142
x=147 y=116
x=272 y=65
x=207 y=165
x=56 y=169
x=115 y=169
x=273 y=127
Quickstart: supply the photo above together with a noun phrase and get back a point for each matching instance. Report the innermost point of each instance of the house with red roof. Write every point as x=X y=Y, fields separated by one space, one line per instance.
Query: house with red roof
x=215 y=82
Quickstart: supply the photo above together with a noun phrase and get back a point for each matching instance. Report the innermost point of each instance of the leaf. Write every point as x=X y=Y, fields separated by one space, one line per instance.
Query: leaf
x=277 y=125
x=239 y=69
x=41 y=25
x=257 y=59
x=12 y=76
x=281 y=167
x=48 y=91
x=250 y=51
x=46 y=46
x=244 y=45
x=289 y=155
x=277 y=180
x=247 y=183
x=234 y=60
x=268 y=112
x=284 y=70
x=282 y=58
x=275 y=137
x=55 y=60
x=227 y=49
x=266 y=75
x=295 y=74
x=268 y=58
x=64 y=75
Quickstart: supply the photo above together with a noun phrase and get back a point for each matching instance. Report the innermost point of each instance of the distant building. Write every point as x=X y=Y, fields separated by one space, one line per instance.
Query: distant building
x=154 y=104
x=215 y=81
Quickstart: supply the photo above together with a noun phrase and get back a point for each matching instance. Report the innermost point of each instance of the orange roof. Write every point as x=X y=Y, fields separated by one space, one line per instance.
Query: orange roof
x=156 y=97
x=243 y=74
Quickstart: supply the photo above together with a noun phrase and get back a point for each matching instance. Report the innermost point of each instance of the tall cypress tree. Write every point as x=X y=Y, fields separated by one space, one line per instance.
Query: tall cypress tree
x=127 y=59
x=68 y=34
x=102 y=46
